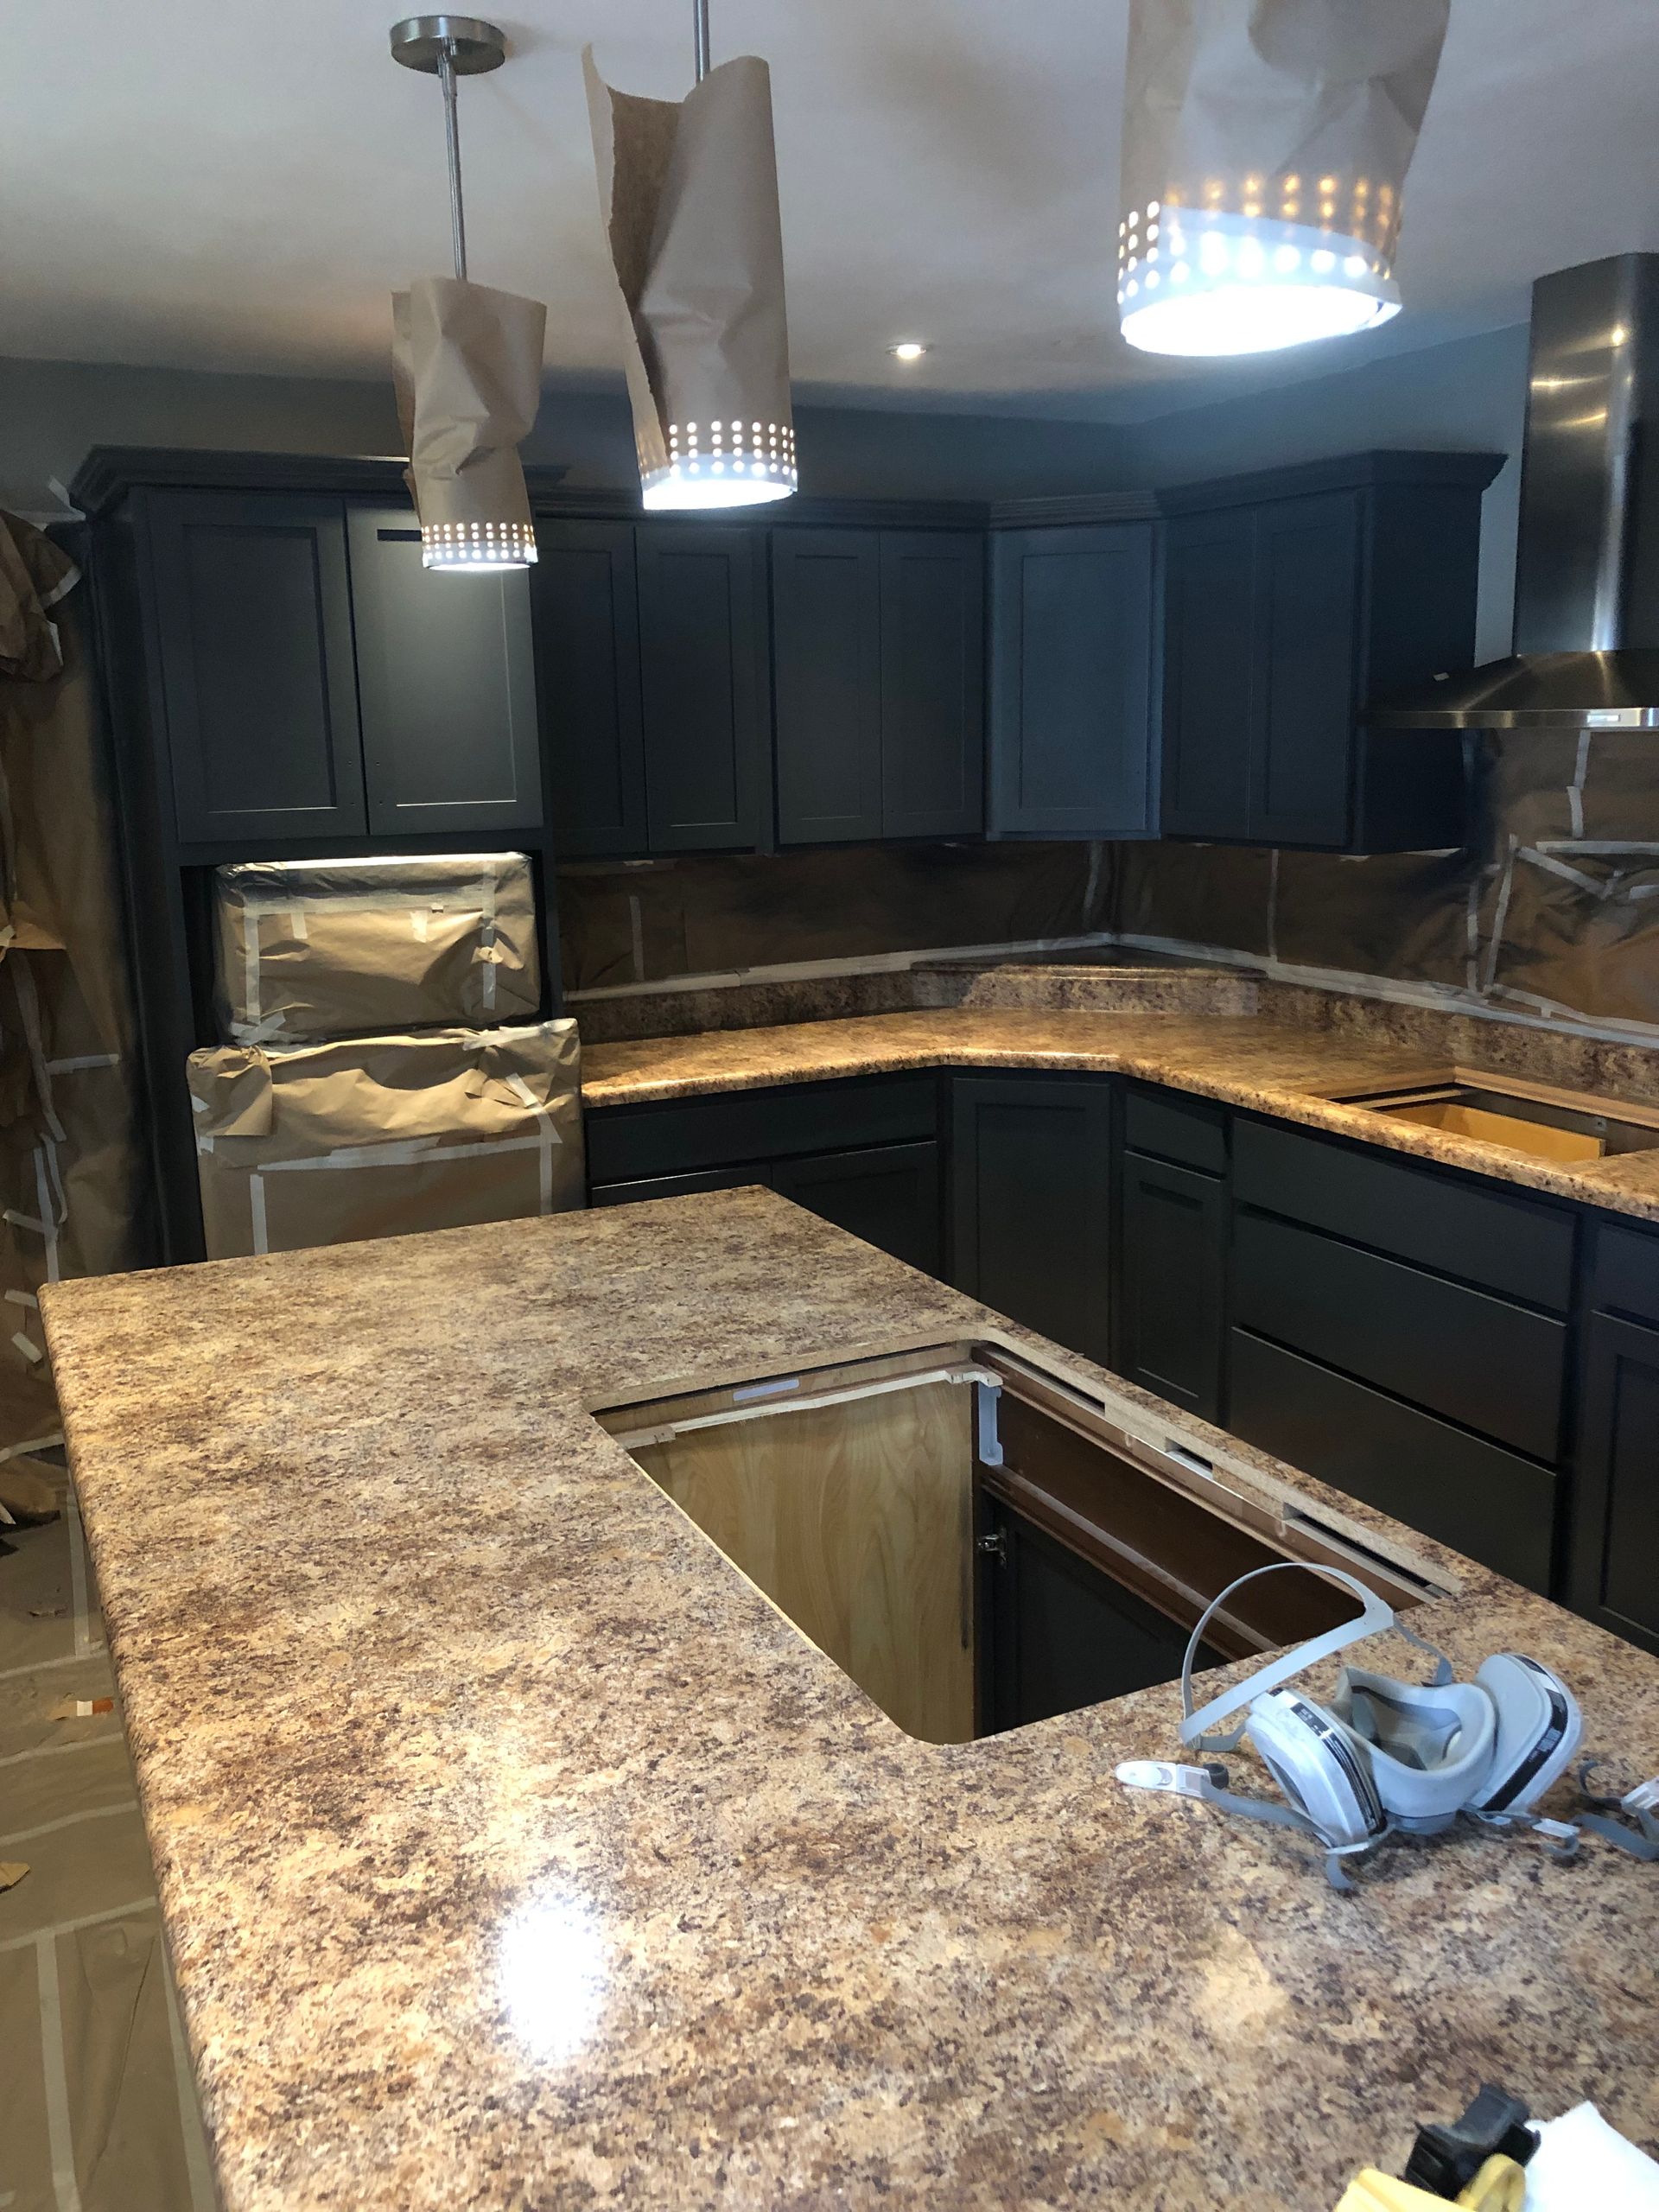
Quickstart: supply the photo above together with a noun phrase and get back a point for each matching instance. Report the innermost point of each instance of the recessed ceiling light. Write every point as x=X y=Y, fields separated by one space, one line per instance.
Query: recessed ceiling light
x=910 y=349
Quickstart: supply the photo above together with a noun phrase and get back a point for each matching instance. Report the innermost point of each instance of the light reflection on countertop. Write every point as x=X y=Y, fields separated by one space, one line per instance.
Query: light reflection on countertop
x=550 y=1975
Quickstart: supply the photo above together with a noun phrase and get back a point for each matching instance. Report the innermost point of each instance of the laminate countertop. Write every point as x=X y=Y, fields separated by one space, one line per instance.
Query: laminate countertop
x=1251 y=1061
x=513 y=1852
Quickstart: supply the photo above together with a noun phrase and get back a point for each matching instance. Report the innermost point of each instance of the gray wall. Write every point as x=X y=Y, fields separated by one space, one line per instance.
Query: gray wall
x=1470 y=393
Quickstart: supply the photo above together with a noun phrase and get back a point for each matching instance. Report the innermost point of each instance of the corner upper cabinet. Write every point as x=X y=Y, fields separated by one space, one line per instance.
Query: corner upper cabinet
x=704 y=693
x=1072 y=682
x=587 y=613
x=932 y=684
x=878 y=675
x=447 y=685
x=1293 y=599
x=251 y=607
x=826 y=645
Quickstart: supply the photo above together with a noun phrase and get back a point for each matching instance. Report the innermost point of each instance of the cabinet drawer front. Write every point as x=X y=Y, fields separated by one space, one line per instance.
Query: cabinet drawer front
x=1186 y=1130
x=625 y=1143
x=1475 y=1359
x=1506 y=1244
x=1627 y=1273
x=1480 y=1500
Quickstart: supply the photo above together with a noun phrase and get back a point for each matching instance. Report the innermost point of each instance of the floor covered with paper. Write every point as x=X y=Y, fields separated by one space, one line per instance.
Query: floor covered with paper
x=99 y=2109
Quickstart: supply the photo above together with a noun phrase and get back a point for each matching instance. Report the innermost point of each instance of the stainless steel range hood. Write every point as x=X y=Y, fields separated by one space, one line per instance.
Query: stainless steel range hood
x=1586 y=610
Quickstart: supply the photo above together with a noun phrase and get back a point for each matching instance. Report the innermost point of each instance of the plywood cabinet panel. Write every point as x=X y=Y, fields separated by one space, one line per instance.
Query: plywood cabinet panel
x=856 y=1519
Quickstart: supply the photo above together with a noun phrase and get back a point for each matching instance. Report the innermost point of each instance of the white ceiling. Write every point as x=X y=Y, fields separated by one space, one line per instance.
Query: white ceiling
x=214 y=184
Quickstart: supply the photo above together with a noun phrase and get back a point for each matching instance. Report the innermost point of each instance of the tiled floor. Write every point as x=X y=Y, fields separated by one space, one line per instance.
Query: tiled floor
x=97 y=2110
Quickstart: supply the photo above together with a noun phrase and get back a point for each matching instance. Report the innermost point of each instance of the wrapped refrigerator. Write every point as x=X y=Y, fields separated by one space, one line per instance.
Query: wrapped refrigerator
x=384 y=1136
x=310 y=950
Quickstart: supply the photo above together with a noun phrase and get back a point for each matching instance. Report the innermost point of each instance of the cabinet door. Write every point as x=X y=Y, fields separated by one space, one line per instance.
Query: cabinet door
x=1071 y=740
x=888 y=1195
x=1208 y=649
x=1172 y=1232
x=1307 y=560
x=587 y=617
x=1030 y=1191
x=1060 y=1635
x=826 y=657
x=702 y=665
x=253 y=616
x=446 y=676
x=1612 y=1575
x=932 y=684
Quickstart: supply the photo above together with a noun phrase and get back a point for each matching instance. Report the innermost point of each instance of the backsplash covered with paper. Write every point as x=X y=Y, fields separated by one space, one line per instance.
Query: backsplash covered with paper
x=1554 y=909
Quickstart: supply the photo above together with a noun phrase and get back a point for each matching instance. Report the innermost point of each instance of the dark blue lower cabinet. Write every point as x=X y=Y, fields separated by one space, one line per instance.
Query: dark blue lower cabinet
x=1172 y=1291
x=1613 y=1571
x=1031 y=1202
x=888 y=1194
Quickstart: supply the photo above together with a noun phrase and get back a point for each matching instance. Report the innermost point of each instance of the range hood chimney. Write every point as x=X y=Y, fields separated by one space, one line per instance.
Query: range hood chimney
x=1586 y=609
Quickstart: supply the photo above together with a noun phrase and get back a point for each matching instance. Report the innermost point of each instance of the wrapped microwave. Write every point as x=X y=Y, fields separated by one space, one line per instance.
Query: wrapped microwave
x=310 y=950
x=386 y=1136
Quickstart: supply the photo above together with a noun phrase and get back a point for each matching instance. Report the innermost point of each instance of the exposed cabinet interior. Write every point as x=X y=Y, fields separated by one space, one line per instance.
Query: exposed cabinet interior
x=979 y=1544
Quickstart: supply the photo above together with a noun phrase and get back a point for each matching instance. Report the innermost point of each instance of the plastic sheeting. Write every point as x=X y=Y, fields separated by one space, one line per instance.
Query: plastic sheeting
x=70 y=1179
x=310 y=950
x=1552 y=910
x=622 y=924
x=386 y=1136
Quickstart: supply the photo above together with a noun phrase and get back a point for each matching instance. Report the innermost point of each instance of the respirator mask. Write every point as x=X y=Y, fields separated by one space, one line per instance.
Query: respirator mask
x=1384 y=1757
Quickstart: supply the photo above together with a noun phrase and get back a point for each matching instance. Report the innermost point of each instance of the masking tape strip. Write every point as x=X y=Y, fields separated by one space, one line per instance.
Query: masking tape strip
x=486 y=941
x=413 y=1153
x=251 y=995
x=22 y=1451
x=23 y=1298
x=60 y=2141
x=30 y=1351
x=86 y=1920
x=84 y=1060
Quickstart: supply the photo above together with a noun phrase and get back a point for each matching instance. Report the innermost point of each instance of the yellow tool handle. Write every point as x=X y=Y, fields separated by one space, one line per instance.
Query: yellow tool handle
x=1500 y=2186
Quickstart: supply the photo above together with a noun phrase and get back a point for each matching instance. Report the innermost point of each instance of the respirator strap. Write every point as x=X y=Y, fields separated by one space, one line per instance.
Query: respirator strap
x=1202 y=1783
x=1377 y=1615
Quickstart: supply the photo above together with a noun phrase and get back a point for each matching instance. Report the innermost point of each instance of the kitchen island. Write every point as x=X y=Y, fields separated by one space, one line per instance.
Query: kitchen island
x=514 y=1851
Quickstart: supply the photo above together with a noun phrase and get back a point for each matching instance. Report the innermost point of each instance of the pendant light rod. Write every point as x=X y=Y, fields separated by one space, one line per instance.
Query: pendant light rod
x=452 y=141
x=700 y=37
x=450 y=48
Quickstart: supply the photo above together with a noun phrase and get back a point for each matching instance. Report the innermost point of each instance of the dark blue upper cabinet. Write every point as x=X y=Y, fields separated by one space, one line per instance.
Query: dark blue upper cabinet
x=1209 y=645
x=256 y=659
x=588 y=666
x=447 y=681
x=703 y=688
x=1292 y=599
x=933 y=682
x=878 y=675
x=826 y=643
x=1071 y=681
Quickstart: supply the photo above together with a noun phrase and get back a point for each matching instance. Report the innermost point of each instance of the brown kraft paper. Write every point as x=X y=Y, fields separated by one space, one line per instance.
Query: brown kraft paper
x=689 y=198
x=386 y=1136
x=466 y=373
x=309 y=949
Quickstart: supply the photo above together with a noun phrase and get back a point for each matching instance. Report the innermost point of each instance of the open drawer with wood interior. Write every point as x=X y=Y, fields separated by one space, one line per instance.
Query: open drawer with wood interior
x=978 y=1543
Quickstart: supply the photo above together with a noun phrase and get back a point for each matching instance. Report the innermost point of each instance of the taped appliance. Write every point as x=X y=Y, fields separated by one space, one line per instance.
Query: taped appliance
x=386 y=1136
x=306 y=951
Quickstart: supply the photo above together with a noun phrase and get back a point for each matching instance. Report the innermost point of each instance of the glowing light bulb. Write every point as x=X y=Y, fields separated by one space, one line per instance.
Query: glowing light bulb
x=908 y=349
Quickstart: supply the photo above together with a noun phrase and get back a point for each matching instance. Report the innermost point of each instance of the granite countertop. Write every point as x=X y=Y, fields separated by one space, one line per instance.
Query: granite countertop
x=515 y=1853
x=1250 y=1060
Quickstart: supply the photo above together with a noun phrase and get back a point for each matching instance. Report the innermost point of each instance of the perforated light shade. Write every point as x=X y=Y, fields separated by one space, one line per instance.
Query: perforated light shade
x=688 y=196
x=1266 y=145
x=466 y=366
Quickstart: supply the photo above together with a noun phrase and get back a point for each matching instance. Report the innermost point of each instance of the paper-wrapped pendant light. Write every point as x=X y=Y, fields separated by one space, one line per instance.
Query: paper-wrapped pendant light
x=1265 y=150
x=467 y=361
x=688 y=196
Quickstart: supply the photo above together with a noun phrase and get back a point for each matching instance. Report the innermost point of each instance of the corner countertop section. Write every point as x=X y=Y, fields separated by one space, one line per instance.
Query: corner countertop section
x=515 y=1853
x=1252 y=1060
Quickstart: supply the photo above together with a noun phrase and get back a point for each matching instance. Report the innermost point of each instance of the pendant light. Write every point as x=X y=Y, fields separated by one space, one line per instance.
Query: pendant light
x=467 y=361
x=1265 y=150
x=689 y=198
